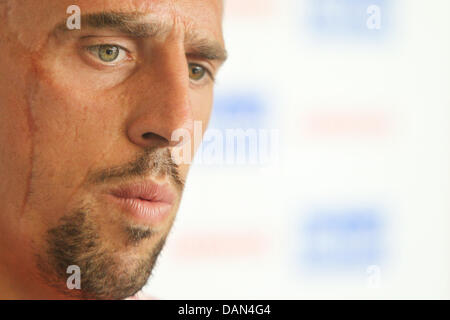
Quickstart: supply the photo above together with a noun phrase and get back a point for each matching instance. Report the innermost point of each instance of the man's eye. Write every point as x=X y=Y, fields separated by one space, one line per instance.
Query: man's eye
x=197 y=72
x=108 y=53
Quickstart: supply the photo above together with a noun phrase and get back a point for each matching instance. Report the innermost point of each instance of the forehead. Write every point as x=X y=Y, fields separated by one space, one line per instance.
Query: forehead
x=201 y=14
x=29 y=17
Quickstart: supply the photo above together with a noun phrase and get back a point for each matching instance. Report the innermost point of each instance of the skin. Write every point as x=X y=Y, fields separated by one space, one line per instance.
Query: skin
x=65 y=117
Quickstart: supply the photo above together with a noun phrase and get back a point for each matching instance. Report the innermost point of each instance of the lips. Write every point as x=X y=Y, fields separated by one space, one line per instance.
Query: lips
x=146 y=202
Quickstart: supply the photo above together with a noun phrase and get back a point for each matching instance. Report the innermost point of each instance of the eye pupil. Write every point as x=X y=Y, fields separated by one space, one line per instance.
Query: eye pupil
x=108 y=53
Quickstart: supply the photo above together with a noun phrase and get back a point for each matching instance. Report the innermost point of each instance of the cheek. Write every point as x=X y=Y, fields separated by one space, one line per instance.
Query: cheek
x=72 y=132
x=15 y=148
x=16 y=133
x=202 y=102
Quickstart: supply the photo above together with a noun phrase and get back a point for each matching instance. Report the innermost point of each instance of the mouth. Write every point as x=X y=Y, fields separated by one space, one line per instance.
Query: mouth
x=147 y=202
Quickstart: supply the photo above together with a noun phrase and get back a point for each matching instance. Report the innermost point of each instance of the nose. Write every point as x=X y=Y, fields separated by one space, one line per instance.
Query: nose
x=163 y=105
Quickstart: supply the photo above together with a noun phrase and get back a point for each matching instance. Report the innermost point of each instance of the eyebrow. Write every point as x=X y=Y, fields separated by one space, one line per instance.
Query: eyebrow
x=131 y=24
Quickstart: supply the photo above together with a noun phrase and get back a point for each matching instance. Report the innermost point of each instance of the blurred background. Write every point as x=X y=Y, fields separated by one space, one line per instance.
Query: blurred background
x=325 y=172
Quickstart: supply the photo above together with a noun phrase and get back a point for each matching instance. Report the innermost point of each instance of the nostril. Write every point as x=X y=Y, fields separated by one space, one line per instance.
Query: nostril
x=154 y=136
x=148 y=135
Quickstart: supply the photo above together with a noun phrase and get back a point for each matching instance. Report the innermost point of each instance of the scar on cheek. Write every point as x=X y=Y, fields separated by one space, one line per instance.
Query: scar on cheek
x=31 y=89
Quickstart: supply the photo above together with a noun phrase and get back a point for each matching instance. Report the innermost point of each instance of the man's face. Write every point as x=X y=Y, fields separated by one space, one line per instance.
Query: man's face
x=86 y=121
